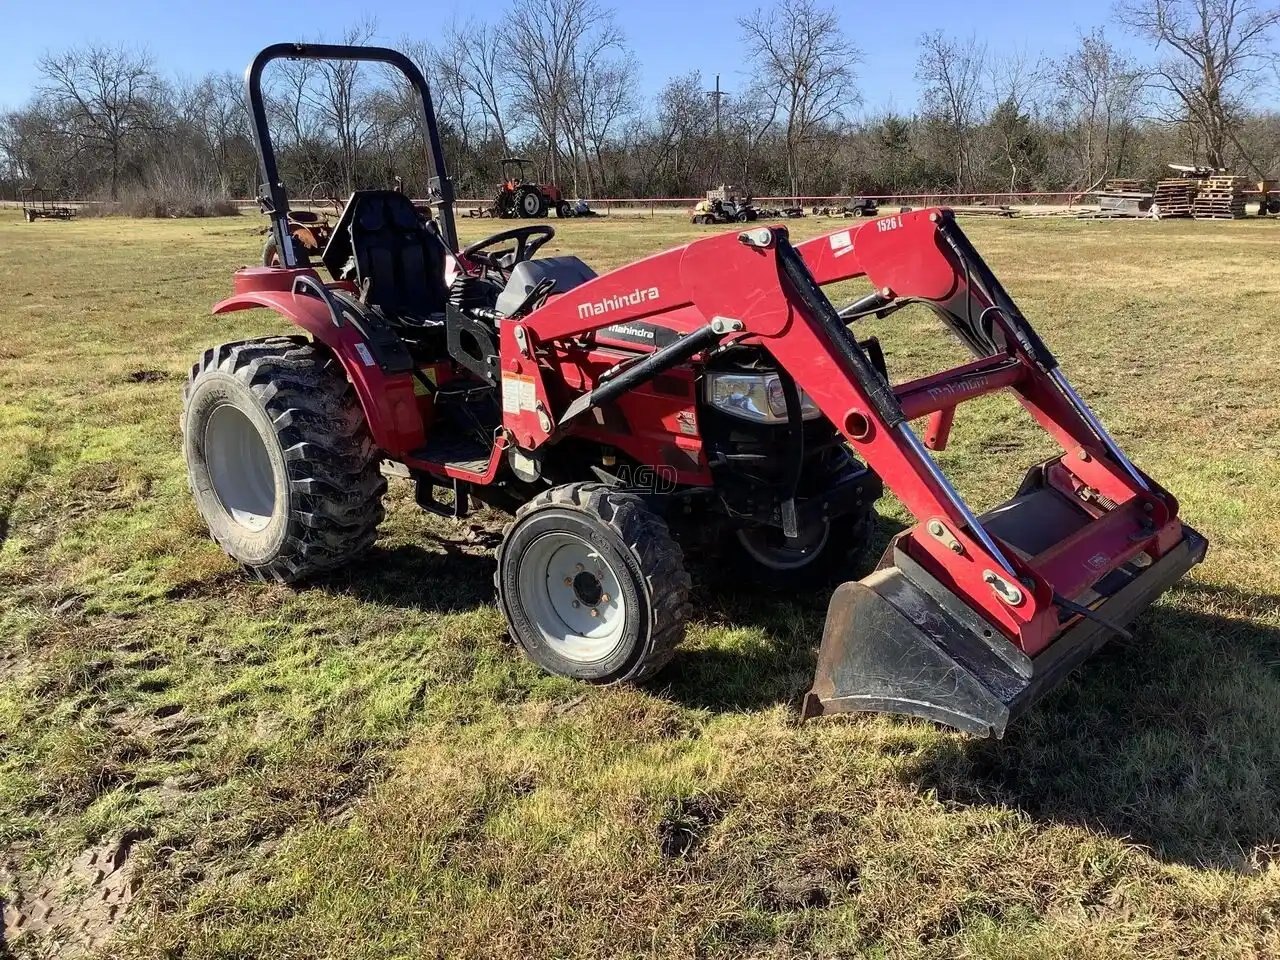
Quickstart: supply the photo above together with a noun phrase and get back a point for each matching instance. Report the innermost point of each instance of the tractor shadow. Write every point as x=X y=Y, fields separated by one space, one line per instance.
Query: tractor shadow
x=1171 y=741
x=452 y=578
x=772 y=648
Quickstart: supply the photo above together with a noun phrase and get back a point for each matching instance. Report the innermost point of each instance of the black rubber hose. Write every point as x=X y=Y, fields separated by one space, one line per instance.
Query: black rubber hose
x=973 y=264
x=806 y=289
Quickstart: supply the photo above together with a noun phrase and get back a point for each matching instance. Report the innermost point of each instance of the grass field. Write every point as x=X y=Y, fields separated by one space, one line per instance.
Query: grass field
x=197 y=765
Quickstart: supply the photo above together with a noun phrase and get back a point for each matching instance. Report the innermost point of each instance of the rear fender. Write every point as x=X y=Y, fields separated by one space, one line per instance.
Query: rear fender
x=390 y=407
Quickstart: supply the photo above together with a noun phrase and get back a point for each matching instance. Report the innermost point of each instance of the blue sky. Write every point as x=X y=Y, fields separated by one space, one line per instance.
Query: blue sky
x=668 y=36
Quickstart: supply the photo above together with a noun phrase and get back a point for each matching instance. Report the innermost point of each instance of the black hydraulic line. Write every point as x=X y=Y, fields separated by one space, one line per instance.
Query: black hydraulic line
x=976 y=267
x=1089 y=614
x=801 y=281
x=644 y=370
x=873 y=302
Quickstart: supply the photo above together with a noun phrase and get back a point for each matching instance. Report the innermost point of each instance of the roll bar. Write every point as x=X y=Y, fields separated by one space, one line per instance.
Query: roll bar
x=276 y=197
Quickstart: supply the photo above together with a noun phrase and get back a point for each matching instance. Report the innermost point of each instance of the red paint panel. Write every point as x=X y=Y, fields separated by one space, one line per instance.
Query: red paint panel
x=388 y=401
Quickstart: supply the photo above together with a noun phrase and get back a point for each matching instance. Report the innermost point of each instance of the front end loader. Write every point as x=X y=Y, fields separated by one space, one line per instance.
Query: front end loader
x=707 y=397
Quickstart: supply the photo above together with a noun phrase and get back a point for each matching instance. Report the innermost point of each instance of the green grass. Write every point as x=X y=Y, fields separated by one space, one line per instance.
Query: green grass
x=367 y=768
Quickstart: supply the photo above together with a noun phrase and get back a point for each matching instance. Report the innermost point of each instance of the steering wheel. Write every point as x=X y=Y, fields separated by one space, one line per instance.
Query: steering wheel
x=515 y=246
x=328 y=192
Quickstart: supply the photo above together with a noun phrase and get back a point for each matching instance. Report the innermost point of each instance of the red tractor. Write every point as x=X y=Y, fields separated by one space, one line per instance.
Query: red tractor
x=310 y=229
x=708 y=394
x=518 y=196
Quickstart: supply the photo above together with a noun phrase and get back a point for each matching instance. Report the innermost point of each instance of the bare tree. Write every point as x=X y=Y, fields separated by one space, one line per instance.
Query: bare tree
x=1217 y=52
x=951 y=72
x=110 y=95
x=600 y=95
x=752 y=122
x=338 y=97
x=547 y=44
x=215 y=109
x=677 y=136
x=1016 y=83
x=472 y=50
x=1099 y=93
x=802 y=53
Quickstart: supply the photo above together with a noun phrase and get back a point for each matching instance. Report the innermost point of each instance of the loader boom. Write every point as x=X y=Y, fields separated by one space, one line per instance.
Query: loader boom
x=1027 y=580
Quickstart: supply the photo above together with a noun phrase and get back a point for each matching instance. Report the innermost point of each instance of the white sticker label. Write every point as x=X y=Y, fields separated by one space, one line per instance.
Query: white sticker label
x=510 y=395
x=365 y=356
x=518 y=394
x=842 y=243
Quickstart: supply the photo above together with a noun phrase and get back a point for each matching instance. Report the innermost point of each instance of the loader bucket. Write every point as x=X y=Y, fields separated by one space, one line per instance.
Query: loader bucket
x=899 y=641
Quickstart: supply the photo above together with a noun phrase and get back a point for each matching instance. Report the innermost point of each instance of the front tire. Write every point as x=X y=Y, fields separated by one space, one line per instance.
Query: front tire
x=279 y=458
x=271 y=256
x=592 y=584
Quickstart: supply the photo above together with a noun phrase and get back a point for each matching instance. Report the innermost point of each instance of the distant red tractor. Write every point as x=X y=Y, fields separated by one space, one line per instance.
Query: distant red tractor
x=309 y=229
x=518 y=196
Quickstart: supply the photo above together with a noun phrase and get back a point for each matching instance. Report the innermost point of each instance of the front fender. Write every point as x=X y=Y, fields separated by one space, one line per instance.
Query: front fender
x=390 y=407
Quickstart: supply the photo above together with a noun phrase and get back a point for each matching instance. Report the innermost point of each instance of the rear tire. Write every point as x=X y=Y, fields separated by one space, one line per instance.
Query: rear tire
x=592 y=584
x=271 y=257
x=530 y=203
x=279 y=458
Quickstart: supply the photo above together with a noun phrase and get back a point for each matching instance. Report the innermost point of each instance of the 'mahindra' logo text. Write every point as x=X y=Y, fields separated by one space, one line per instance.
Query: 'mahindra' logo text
x=633 y=299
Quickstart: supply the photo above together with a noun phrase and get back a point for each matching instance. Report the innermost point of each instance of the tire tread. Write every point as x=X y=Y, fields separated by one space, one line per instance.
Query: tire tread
x=647 y=536
x=334 y=478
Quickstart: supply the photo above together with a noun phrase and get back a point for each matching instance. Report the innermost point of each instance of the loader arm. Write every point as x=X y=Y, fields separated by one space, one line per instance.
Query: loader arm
x=1022 y=582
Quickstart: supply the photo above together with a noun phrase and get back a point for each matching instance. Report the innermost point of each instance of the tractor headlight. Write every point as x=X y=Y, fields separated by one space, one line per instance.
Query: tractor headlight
x=758 y=397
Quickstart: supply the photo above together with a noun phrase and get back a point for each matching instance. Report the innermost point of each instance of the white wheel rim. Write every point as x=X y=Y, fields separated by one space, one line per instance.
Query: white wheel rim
x=240 y=467
x=530 y=203
x=572 y=595
x=791 y=554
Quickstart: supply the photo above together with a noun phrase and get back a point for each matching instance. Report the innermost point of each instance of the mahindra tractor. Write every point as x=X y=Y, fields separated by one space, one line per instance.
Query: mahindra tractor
x=709 y=394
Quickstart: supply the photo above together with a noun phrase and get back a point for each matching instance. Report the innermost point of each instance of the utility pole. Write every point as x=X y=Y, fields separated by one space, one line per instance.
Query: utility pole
x=717 y=95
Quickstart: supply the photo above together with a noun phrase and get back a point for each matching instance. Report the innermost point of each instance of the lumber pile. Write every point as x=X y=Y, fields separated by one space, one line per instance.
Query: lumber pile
x=1123 y=197
x=1220 y=198
x=1173 y=198
x=1124 y=185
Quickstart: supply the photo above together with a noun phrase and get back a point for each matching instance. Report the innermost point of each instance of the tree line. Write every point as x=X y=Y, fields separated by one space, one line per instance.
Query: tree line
x=557 y=81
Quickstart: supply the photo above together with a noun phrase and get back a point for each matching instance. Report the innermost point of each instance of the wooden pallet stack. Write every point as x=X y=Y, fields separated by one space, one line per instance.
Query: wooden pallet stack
x=1220 y=198
x=1174 y=197
x=1123 y=185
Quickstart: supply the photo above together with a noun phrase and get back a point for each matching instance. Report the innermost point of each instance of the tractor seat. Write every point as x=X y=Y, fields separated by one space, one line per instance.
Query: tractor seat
x=399 y=259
